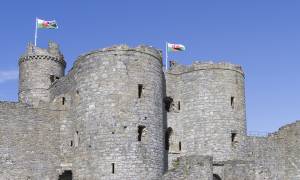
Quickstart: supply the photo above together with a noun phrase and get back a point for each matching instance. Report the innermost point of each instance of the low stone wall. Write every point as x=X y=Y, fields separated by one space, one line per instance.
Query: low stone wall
x=190 y=168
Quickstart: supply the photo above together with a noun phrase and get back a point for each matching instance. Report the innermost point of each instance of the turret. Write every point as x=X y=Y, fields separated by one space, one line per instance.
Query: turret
x=207 y=112
x=38 y=69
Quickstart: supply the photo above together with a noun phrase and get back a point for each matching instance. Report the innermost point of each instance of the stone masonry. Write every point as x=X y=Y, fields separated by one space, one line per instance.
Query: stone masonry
x=117 y=115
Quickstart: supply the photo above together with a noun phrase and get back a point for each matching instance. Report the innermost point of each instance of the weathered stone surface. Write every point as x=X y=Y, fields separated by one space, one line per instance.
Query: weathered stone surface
x=191 y=167
x=117 y=115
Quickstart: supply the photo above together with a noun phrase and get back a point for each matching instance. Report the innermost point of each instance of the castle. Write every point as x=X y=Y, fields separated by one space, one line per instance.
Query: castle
x=118 y=115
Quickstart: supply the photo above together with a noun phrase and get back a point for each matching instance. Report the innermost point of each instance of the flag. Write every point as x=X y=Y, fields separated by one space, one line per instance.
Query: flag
x=176 y=47
x=42 y=24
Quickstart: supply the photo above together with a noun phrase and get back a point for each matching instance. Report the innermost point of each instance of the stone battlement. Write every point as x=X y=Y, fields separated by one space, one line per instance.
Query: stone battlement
x=149 y=50
x=203 y=65
x=36 y=53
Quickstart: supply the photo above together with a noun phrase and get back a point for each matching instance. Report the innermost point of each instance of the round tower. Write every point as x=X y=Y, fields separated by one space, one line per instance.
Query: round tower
x=211 y=119
x=38 y=69
x=119 y=115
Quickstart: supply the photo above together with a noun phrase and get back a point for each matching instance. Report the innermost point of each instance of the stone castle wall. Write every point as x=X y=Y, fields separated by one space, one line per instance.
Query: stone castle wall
x=29 y=142
x=279 y=152
x=117 y=115
x=211 y=118
x=121 y=130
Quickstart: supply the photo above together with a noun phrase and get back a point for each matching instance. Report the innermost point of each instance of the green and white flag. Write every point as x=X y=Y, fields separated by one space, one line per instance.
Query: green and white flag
x=175 y=47
x=43 y=24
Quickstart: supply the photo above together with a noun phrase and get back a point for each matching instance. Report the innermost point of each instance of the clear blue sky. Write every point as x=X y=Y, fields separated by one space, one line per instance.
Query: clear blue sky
x=262 y=36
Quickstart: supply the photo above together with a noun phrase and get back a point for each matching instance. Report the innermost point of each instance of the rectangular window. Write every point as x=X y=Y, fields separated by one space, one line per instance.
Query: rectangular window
x=140 y=89
x=178 y=105
x=113 y=168
x=232 y=102
x=233 y=137
x=141 y=130
x=63 y=100
x=179 y=146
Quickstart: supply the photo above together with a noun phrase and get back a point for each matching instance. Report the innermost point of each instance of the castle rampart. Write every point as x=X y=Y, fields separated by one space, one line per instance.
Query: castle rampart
x=117 y=115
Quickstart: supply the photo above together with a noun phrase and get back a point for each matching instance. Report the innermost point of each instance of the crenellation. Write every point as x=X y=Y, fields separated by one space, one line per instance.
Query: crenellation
x=117 y=115
x=178 y=69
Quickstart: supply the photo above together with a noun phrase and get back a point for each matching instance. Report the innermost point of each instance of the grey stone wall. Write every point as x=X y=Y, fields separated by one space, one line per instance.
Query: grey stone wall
x=240 y=170
x=35 y=68
x=28 y=142
x=212 y=108
x=109 y=113
x=108 y=119
x=279 y=152
x=191 y=168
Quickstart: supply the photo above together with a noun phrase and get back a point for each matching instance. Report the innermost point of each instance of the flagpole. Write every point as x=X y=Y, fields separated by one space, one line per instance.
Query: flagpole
x=166 y=55
x=35 y=34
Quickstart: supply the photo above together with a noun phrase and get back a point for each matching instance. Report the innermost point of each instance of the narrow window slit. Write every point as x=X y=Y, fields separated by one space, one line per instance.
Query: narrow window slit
x=113 y=168
x=63 y=100
x=232 y=102
x=179 y=146
x=169 y=132
x=178 y=105
x=141 y=130
x=71 y=143
x=140 y=89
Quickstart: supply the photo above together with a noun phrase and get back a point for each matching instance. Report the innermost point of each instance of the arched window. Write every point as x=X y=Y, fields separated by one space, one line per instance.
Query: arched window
x=169 y=132
x=66 y=175
x=216 y=177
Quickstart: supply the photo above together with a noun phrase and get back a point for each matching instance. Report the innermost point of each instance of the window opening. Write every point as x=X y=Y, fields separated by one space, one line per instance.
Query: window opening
x=140 y=89
x=113 y=168
x=140 y=132
x=178 y=105
x=168 y=102
x=52 y=79
x=216 y=177
x=179 y=146
x=66 y=175
x=232 y=102
x=169 y=132
x=71 y=143
x=63 y=100
x=233 y=137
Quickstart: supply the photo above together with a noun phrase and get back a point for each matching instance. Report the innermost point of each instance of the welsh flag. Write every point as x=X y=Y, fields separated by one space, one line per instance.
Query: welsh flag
x=176 y=47
x=42 y=24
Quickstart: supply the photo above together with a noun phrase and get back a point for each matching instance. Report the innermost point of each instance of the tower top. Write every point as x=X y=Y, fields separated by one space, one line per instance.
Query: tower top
x=52 y=50
x=52 y=53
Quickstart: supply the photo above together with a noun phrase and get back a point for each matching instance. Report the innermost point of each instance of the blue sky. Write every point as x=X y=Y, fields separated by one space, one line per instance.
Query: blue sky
x=262 y=36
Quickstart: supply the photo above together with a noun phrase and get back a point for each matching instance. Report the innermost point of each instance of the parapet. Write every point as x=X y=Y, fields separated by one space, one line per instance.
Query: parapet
x=118 y=49
x=50 y=53
x=285 y=128
x=177 y=69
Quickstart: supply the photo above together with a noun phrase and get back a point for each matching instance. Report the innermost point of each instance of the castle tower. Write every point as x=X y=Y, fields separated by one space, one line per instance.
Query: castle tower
x=207 y=113
x=119 y=115
x=38 y=70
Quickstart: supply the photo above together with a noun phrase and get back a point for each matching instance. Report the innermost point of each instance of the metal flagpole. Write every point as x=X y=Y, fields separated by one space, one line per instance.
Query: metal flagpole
x=35 y=35
x=166 y=55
